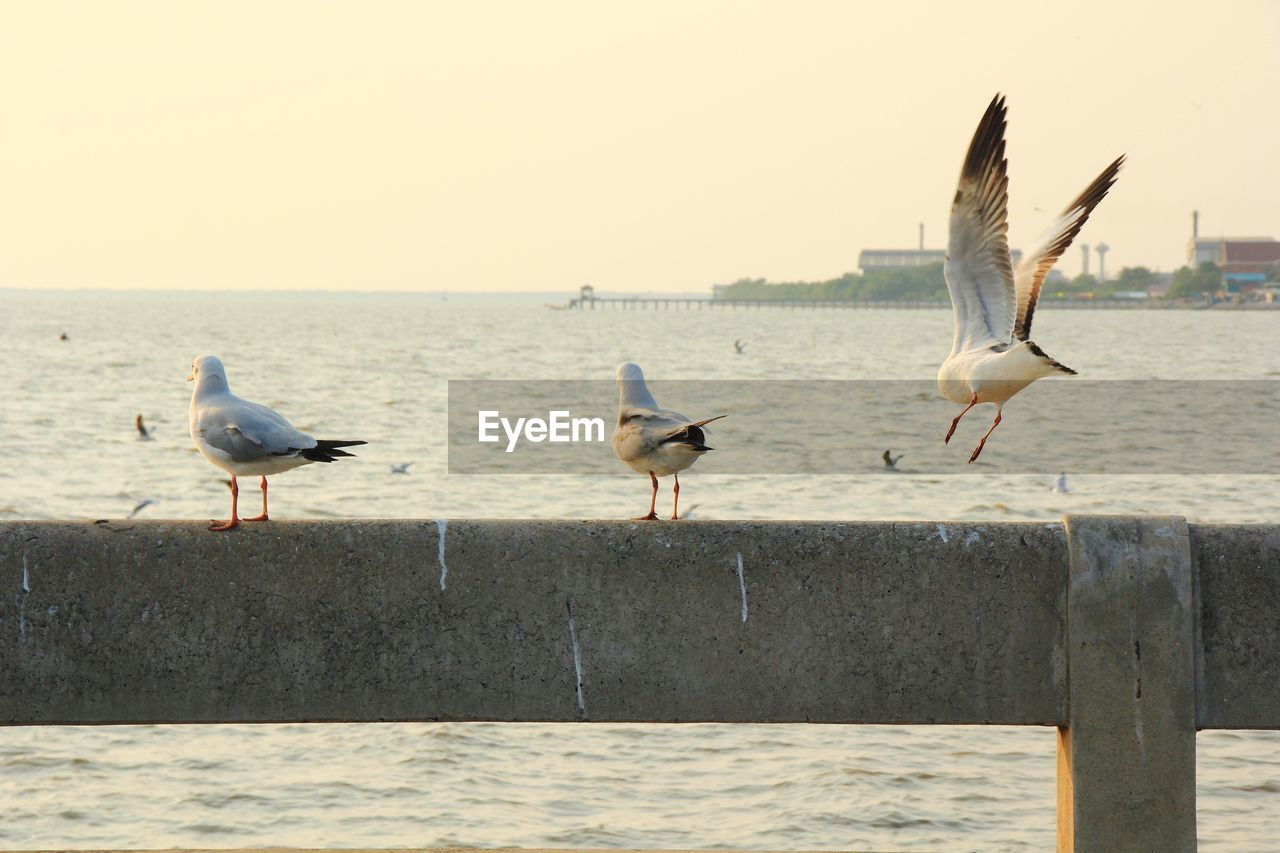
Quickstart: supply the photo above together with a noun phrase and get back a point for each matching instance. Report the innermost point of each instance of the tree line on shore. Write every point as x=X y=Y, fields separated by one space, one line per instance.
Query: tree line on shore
x=926 y=283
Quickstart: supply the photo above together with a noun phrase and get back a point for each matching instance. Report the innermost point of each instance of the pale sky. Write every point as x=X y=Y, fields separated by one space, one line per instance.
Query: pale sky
x=662 y=146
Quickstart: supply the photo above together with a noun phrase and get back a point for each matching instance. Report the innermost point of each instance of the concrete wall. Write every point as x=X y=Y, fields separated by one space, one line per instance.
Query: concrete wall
x=894 y=623
x=857 y=622
x=1126 y=633
x=1238 y=575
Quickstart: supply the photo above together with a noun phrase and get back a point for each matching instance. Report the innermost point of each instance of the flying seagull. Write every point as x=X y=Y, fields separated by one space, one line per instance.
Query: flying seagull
x=402 y=468
x=247 y=439
x=653 y=440
x=889 y=460
x=141 y=505
x=992 y=354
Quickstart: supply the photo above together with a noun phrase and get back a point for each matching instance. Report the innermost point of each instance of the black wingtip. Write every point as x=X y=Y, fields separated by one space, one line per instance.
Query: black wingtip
x=328 y=450
x=1097 y=191
x=987 y=146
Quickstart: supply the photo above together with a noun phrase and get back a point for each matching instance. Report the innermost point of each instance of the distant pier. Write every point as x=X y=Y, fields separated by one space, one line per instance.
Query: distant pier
x=638 y=303
x=589 y=301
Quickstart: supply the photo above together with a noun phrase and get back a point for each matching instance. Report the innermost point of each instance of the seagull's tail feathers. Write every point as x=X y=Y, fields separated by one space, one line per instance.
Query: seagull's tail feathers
x=327 y=451
x=693 y=436
x=1053 y=364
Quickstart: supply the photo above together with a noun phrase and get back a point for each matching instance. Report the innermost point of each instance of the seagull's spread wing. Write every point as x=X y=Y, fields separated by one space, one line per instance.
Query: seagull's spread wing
x=248 y=432
x=1036 y=265
x=978 y=271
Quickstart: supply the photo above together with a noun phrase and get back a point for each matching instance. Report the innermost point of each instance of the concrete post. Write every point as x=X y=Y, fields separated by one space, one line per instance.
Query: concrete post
x=1127 y=758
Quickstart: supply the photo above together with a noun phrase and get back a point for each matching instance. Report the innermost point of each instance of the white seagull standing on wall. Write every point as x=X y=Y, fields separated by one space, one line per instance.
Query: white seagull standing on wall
x=247 y=439
x=653 y=440
x=992 y=355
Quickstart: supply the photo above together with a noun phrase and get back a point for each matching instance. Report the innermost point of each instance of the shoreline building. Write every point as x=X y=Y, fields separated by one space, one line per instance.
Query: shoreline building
x=1245 y=261
x=875 y=260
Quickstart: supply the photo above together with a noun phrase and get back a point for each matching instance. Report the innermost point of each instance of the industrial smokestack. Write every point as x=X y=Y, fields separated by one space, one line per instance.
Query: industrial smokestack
x=1102 y=249
x=1084 y=262
x=1195 y=225
x=922 y=236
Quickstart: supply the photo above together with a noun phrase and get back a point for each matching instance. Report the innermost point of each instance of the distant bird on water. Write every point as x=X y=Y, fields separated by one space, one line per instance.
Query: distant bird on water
x=1060 y=484
x=739 y=345
x=247 y=439
x=652 y=440
x=890 y=461
x=992 y=354
x=63 y=337
x=144 y=434
x=402 y=468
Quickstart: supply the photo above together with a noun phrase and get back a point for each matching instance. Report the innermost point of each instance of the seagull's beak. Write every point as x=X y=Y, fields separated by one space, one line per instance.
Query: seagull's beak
x=191 y=376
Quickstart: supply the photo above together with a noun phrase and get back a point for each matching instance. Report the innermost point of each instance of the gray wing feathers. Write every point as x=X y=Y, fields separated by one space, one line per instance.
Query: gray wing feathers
x=978 y=271
x=1036 y=265
x=248 y=432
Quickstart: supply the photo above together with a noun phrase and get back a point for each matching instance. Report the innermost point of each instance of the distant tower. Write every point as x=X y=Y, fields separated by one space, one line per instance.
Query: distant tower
x=922 y=236
x=1102 y=249
x=1084 y=259
x=1195 y=225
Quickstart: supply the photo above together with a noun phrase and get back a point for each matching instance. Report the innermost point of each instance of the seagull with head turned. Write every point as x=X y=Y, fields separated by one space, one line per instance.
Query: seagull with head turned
x=653 y=440
x=247 y=439
x=992 y=355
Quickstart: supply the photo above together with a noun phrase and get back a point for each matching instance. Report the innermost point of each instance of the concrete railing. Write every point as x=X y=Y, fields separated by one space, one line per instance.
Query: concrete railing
x=1127 y=634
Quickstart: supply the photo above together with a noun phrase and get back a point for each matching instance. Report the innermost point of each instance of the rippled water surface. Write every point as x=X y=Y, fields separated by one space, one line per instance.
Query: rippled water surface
x=376 y=368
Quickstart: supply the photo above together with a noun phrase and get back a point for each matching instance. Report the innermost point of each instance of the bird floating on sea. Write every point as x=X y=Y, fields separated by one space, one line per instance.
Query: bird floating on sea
x=247 y=439
x=739 y=345
x=889 y=460
x=992 y=354
x=144 y=434
x=402 y=468
x=652 y=440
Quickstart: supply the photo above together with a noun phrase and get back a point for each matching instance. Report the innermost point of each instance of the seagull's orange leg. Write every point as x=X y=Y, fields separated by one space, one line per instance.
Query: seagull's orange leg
x=235 y=519
x=982 y=443
x=652 y=516
x=956 y=422
x=675 y=502
x=262 y=517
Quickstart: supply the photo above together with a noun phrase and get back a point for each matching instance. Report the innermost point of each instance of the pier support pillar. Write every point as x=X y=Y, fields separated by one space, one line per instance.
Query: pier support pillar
x=1127 y=758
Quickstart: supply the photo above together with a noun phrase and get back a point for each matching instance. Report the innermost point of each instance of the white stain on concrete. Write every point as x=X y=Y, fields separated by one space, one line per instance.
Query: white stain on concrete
x=972 y=538
x=742 y=587
x=942 y=533
x=577 y=658
x=22 y=602
x=441 y=524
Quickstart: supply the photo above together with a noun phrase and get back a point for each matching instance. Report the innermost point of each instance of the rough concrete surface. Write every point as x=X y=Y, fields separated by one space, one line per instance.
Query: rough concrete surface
x=1238 y=570
x=1127 y=758
x=130 y=622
